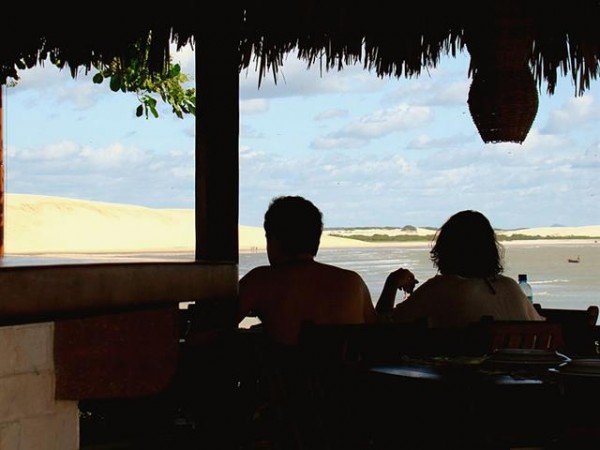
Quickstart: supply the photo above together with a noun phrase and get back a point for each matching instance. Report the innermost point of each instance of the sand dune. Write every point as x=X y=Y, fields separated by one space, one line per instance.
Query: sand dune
x=44 y=224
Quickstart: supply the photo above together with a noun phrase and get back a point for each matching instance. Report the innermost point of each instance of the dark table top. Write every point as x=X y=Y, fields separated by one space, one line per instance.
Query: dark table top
x=465 y=375
x=464 y=400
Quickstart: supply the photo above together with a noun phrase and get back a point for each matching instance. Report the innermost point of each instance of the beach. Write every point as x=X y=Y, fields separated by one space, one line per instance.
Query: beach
x=50 y=230
x=38 y=224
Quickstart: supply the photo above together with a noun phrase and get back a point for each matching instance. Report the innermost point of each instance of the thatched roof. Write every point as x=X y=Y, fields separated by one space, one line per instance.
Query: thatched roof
x=382 y=35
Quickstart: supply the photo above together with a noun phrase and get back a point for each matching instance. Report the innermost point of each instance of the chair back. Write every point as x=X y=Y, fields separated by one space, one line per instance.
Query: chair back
x=573 y=317
x=363 y=344
x=524 y=334
x=578 y=328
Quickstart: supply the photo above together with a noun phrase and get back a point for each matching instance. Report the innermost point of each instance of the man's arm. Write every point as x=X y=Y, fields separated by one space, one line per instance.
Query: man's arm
x=369 y=313
x=246 y=296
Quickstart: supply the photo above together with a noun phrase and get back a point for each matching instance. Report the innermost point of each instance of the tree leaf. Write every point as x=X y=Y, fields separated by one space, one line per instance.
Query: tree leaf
x=115 y=83
x=175 y=70
x=134 y=75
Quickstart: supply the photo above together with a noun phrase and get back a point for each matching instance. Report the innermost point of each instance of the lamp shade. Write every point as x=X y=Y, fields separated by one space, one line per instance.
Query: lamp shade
x=503 y=104
x=503 y=98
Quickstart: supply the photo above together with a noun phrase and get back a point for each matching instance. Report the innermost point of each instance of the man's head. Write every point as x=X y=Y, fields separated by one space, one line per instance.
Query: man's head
x=295 y=224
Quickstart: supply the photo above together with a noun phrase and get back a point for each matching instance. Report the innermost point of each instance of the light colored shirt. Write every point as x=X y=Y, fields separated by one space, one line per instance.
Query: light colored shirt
x=452 y=300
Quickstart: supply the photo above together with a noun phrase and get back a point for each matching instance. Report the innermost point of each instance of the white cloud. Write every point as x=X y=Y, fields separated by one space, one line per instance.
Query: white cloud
x=590 y=158
x=247 y=153
x=185 y=57
x=115 y=173
x=114 y=155
x=574 y=114
x=69 y=153
x=82 y=95
x=296 y=79
x=254 y=106
x=455 y=93
x=387 y=121
x=248 y=132
x=44 y=78
x=424 y=141
x=410 y=163
x=334 y=142
x=375 y=125
x=333 y=113
x=57 y=151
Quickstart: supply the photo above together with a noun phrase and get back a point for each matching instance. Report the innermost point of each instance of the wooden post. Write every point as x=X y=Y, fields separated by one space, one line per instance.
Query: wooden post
x=217 y=143
x=1 y=175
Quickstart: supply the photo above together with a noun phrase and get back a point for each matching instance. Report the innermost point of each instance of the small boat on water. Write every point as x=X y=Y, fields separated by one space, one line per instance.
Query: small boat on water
x=571 y=260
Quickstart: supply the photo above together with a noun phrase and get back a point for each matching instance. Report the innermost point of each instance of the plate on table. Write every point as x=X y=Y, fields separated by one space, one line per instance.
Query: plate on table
x=527 y=356
x=580 y=367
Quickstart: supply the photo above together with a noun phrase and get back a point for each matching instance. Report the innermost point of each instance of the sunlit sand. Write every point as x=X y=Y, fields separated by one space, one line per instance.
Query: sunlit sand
x=42 y=224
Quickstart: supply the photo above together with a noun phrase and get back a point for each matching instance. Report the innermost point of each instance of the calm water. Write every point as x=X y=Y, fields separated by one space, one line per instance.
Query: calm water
x=556 y=282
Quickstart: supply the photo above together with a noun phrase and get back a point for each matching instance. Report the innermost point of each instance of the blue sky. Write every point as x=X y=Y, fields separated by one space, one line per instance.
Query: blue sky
x=368 y=151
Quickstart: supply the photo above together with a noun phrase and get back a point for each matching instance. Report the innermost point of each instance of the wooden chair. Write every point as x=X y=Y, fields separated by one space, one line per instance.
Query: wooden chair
x=588 y=316
x=525 y=334
x=334 y=358
x=361 y=344
x=582 y=340
x=578 y=328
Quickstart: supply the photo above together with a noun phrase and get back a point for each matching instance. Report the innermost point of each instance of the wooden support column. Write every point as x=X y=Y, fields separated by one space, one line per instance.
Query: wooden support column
x=1 y=173
x=217 y=136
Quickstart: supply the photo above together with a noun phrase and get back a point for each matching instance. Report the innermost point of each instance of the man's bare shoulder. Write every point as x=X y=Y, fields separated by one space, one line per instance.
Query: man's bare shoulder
x=257 y=272
x=338 y=271
x=326 y=266
x=315 y=270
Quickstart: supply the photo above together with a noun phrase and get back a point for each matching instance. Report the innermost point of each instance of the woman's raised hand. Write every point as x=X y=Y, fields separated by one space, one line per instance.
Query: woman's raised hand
x=403 y=279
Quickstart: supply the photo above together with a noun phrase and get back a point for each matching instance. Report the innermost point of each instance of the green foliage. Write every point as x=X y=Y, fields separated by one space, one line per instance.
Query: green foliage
x=526 y=237
x=409 y=228
x=386 y=238
x=135 y=76
x=428 y=238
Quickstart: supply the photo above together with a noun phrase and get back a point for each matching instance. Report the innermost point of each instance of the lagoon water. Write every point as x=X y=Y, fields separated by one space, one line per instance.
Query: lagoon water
x=556 y=282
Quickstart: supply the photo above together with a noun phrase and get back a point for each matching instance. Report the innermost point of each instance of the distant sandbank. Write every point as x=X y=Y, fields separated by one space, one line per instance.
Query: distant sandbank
x=37 y=224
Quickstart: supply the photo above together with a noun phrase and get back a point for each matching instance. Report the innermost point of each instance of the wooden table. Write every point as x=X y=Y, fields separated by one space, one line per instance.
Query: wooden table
x=445 y=402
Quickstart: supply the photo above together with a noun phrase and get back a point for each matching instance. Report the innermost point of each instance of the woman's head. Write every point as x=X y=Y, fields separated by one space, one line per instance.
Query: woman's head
x=466 y=245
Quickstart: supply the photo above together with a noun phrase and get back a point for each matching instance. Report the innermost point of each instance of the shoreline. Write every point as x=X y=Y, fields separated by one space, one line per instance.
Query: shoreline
x=427 y=244
x=157 y=252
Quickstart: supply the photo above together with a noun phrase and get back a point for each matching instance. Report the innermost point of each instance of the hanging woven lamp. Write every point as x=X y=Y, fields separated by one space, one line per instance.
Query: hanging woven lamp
x=503 y=104
x=503 y=98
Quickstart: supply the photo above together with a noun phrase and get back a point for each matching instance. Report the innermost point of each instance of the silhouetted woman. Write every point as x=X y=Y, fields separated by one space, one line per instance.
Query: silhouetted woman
x=469 y=283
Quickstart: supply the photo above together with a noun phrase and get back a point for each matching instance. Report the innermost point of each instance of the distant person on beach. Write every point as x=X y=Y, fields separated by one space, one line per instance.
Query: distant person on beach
x=294 y=287
x=469 y=283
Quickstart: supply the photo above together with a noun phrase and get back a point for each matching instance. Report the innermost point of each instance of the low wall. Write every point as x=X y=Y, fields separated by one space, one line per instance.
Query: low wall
x=30 y=417
x=37 y=304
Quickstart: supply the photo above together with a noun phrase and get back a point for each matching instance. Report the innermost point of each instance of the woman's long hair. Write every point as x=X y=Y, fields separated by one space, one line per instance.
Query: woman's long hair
x=466 y=245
